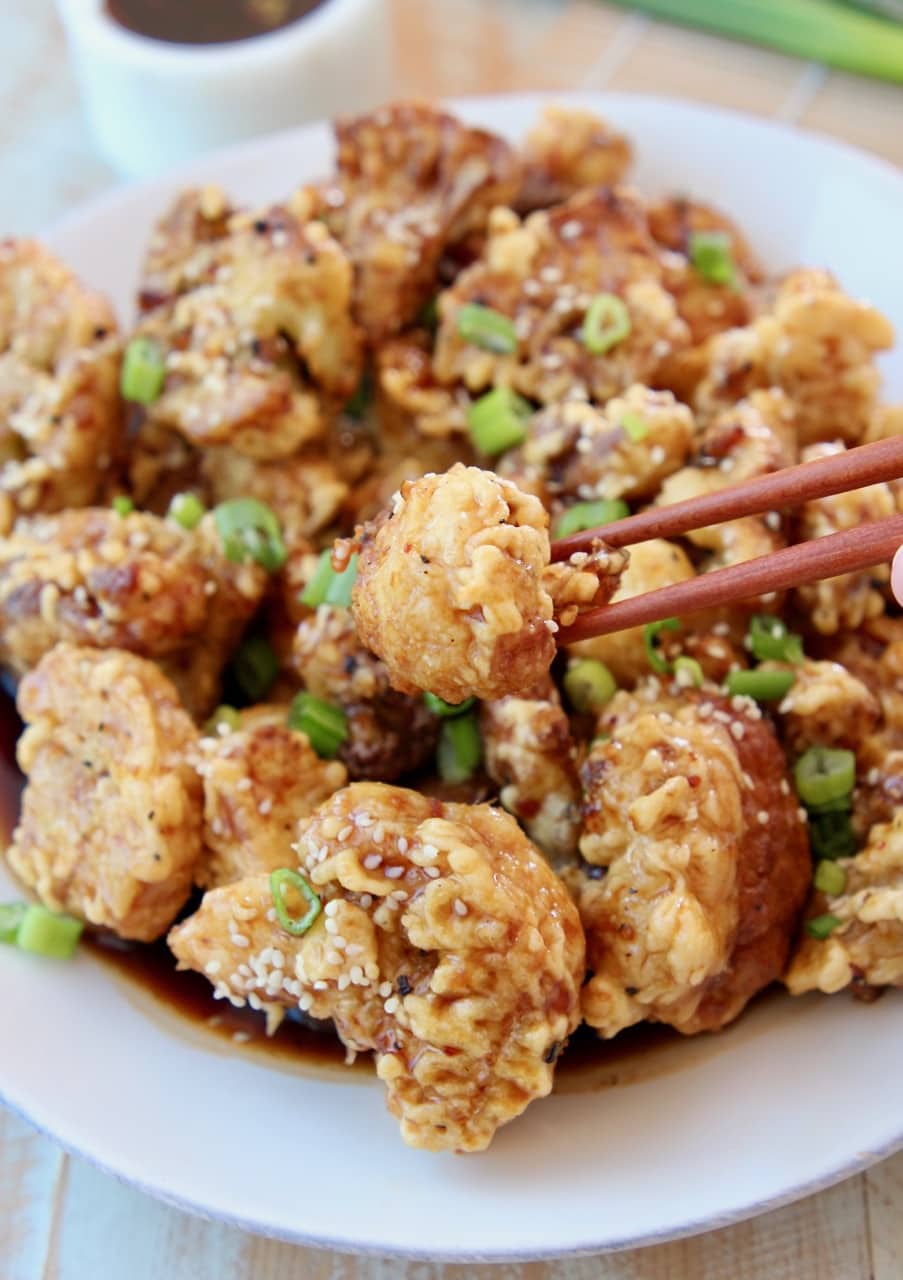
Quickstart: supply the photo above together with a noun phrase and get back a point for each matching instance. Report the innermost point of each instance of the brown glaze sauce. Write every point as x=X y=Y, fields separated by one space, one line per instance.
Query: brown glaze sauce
x=207 y=21
x=183 y=1002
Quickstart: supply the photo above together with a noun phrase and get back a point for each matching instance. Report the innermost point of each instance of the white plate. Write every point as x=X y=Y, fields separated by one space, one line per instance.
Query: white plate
x=798 y=1095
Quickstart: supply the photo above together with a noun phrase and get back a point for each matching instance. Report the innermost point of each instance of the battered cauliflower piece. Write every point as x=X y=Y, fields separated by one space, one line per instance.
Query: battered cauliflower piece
x=411 y=181
x=135 y=582
x=161 y=464
x=575 y=450
x=849 y=600
x=567 y=150
x=531 y=756
x=866 y=947
x=652 y=564
x=543 y=274
x=815 y=343
x=389 y=733
x=455 y=591
x=825 y=706
x=258 y=780
x=59 y=385
x=696 y=861
x=110 y=825
x=184 y=244
x=260 y=347
x=446 y=945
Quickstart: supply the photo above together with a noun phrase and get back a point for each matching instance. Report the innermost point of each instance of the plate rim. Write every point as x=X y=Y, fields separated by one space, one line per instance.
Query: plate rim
x=108 y=201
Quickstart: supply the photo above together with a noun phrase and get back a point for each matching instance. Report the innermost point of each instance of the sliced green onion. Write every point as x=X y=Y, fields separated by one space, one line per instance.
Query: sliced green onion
x=339 y=590
x=822 y=927
x=487 y=329
x=498 y=421
x=428 y=315
x=635 y=426
x=460 y=748
x=831 y=835
x=285 y=878
x=651 y=632
x=326 y=725
x=250 y=530
x=824 y=774
x=360 y=402
x=440 y=707
x=606 y=323
x=769 y=639
x=123 y=505
x=589 y=684
x=187 y=510
x=588 y=515
x=223 y=715
x=45 y=933
x=143 y=371
x=693 y=672
x=11 y=915
x=255 y=667
x=829 y=878
x=710 y=253
x=764 y=686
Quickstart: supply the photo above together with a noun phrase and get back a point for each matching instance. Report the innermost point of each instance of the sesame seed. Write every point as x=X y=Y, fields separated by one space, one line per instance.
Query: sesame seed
x=785 y=787
x=657 y=455
x=762 y=817
x=460 y=907
x=402 y=844
x=571 y=229
x=306 y=1002
x=239 y=940
x=738 y=730
x=354 y=949
x=343 y=982
x=429 y=853
x=345 y=833
x=332 y=926
x=391 y=1005
x=339 y=942
x=212 y=967
x=366 y=901
x=376 y=835
x=331 y=908
x=265 y=806
x=320 y=985
x=394 y=873
x=433 y=872
x=399 y=895
x=243 y=784
x=356 y=973
x=333 y=957
x=372 y=861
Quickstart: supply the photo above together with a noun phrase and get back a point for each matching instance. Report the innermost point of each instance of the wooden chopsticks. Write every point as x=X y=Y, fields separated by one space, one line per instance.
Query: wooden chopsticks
x=847 y=552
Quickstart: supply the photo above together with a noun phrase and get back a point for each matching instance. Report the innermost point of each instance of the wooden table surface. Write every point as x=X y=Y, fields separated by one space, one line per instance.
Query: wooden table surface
x=60 y=1219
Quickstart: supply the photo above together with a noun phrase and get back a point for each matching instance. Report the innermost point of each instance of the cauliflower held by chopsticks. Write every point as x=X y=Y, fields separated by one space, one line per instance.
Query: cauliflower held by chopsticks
x=446 y=945
x=455 y=591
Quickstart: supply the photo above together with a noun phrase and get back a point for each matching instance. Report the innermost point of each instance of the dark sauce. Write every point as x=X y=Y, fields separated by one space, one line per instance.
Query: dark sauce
x=207 y=21
x=183 y=1001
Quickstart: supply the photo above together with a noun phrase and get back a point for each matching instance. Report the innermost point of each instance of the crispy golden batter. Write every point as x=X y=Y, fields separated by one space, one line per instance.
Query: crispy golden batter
x=259 y=342
x=161 y=463
x=825 y=706
x=845 y=602
x=110 y=828
x=136 y=582
x=455 y=591
x=867 y=946
x=389 y=733
x=543 y=274
x=411 y=181
x=815 y=343
x=652 y=564
x=567 y=150
x=698 y=862
x=184 y=245
x=447 y=945
x=531 y=756
x=259 y=780
x=575 y=450
x=61 y=417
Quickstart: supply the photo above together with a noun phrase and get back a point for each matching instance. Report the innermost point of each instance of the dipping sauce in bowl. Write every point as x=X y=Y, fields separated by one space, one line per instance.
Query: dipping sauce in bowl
x=207 y=21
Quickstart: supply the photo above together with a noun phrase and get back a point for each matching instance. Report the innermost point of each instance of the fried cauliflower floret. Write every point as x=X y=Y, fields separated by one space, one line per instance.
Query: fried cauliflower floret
x=184 y=244
x=259 y=780
x=59 y=385
x=866 y=947
x=815 y=343
x=261 y=350
x=652 y=564
x=446 y=945
x=110 y=825
x=136 y=582
x=160 y=464
x=543 y=274
x=849 y=600
x=576 y=451
x=455 y=591
x=531 y=756
x=409 y=390
x=566 y=151
x=389 y=733
x=698 y=862
x=826 y=706
x=411 y=181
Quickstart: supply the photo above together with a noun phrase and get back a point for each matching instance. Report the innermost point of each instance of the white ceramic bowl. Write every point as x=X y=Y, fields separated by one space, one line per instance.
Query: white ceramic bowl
x=152 y=104
x=796 y=1095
